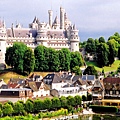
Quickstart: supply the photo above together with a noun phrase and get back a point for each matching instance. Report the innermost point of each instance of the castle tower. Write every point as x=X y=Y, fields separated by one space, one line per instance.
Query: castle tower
x=42 y=34
x=74 y=39
x=62 y=19
x=56 y=24
x=3 y=38
x=50 y=12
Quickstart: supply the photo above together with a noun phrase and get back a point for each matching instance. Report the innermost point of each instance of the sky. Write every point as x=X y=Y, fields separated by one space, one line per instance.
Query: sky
x=93 y=18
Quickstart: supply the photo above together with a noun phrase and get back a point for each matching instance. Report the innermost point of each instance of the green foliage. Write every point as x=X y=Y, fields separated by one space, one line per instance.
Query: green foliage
x=18 y=108
x=71 y=101
x=29 y=106
x=56 y=102
x=90 y=70
x=89 y=97
x=77 y=70
x=1 y=112
x=28 y=61
x=47 y=103
x=63 y=101
x=102 y=54
x=77 y=100
x=98 y=108
x=84 y=98
x=7 y=109
x=101 y=40
x=90 y=46
x=38 y=105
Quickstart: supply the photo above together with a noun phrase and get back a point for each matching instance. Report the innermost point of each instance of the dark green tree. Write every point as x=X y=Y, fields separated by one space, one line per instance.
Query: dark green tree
x=90 y=70
x=63 y=101
x=102 y=54
x=101 y=40
x=118 y=69
x=84 y=98
x=56 y=103
x=18 y=108
x=47 y=103
x=113 y=51
x=77 y=70
x=18 y=54
x=29 y=106
x=90 y=47
x=38 y=105
x=39 y=58
x=76 y=60
x=28 y=61
x=9 y=57
x=78 y=100
x=53 y=60
x=7 y=109
x=70 y=101
x=65 y=59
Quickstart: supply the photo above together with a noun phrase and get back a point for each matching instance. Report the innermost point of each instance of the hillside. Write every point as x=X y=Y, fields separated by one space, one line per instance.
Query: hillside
x=113 y=67
x=6 y=75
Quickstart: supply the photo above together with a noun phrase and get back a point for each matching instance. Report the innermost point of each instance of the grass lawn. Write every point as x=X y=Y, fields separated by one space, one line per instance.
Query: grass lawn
x=113 y=67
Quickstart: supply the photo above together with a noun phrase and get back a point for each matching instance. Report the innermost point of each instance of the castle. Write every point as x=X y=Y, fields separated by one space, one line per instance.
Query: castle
x=54 y=34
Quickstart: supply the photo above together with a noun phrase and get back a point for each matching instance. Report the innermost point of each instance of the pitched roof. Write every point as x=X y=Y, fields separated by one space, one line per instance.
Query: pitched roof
x=111 y=80
x=33 y=86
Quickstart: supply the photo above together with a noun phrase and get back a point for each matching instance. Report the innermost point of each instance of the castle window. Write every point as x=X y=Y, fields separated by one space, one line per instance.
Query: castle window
x=76 y=44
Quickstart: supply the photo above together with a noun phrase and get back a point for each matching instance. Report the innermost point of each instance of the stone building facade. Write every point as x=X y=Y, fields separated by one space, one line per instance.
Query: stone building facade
x=56 y=34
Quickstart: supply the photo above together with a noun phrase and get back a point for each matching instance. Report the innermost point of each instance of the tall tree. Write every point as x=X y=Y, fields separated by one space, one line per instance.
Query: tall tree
x=90 y=47
x=53 y=60
x=18 y=54
x=102 y=54
x=28 y=61
x=39 y=58
x=76 y=70
x=63 y=101
x=47 y=103
x=76 y=60
x=113 y=50
x=29 y=106
x=101 y=40
x=56 y=103
x=65 y=58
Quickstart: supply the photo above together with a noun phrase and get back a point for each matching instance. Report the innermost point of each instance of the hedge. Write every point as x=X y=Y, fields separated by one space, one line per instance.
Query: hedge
x=98 y=108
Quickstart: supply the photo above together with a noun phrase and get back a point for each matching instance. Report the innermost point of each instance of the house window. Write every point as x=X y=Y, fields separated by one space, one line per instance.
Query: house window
x=117 y=92
x=110 y=92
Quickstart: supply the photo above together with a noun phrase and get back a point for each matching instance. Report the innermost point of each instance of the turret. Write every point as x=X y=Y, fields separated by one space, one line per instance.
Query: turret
x=56 y=24
x=74 y=39
x=50 y=12
x=42 y=34
x=62 y=20
x=3 y=37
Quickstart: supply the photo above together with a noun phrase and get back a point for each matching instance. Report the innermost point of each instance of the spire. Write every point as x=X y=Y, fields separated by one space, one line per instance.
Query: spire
x=56 y=21
x=35 y=19
x=65 y=15
x=74 y=27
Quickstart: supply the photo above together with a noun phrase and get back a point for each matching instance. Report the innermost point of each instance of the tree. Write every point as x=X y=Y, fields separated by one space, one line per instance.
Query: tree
x=77 y=70
x=118 y=69
x=28 y=61
x=89 y=97
x=53 y=62
x=84 y=98
x=18 y=108
x=29 y=106
x=38 y=105
x=113 y=51
x=65 y=58
x=39 y=58
x=90 y=47
x=9 y=57
x=63 y=101
x=90 y=70
x=56 y=103
x=76 y=60
x=102 y=54
x=70 y=101
x=47 y=103
x=77 y=100
x=18 y=51
x=7 y=109
x=101 y=40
